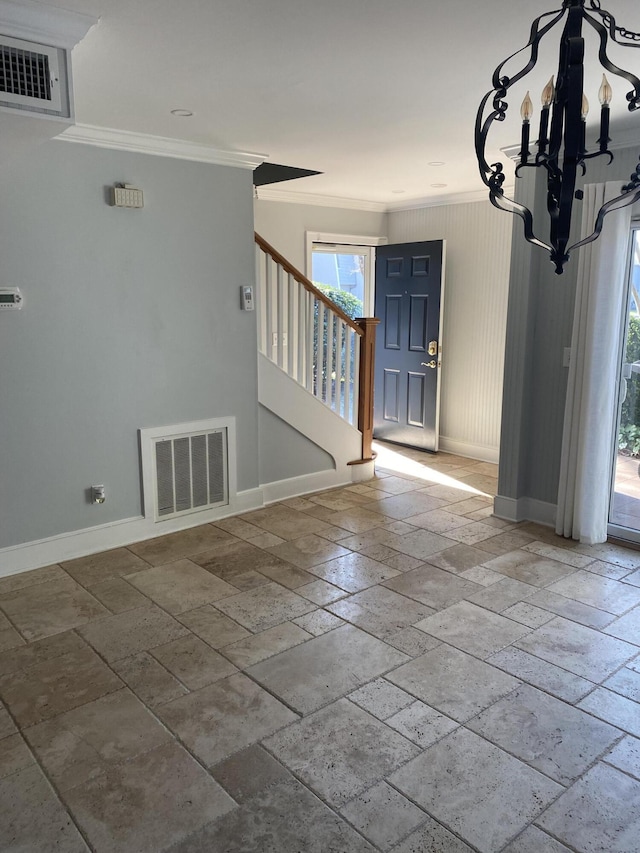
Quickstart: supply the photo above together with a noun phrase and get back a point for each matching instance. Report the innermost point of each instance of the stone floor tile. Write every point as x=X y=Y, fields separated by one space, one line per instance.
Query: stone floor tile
x=286 y=818
x=249 y=772
x=481 y=575
x=375 y=536
x=627 y=627
x=626 y=756
x=193 y=662
x=562 y=555
x=581 y=650
x=244 y=581
x=54 y=686
x=40 y=651
x=431 y=586
x=265 y=540
x=265 y=607
x=182 y=798
x=422 y=544
x=213 y=627
x=15 y=755
x=134 y=631
x=458 y=558
x=287 y=575
x=50 y=608
x=626 y=682
x=403 y=506
x=33 y=819
x=83 y=743
x=546 y=676
x=473 y=533
x=483 y=794
x=552 y=736
x=601 y=811
x=611 y=553
x=22 y=580
x=177 y=546
x=591 y=617
x=402 y=562
x=615 y=709
x=180 y=585
x=595 y=591
x=117 y=595
x=239 y=527
x=383 y=815
x=308 y=551
x=10 y=639
x=234 y=557
x=502 y=595
x=421 y=724
x=437 y=520
x=98 y=568
x=285 y=522
x=7 y=726
x=380 y=611
x=472 y=629
x=340 y=751
x=321 y=592
x=259 y=647
x=412 y=642
x=434 y=838
x=529 y=568
x=630 y=577
x=504 y=542
x=148 y=679
x=608 y=570
x=225 y=717
x=318 y=622
x=470 y=505
x=453 y=682
x=528 y=614
x=354 y=572
x=325 y=668
x=381 y=698
x=534 y=840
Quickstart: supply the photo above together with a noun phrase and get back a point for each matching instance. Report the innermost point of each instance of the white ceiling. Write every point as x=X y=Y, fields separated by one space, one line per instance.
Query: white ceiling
x=370 y=92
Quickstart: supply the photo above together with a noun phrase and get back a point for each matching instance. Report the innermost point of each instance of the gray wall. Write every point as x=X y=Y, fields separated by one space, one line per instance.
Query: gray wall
x=284 y=452
x=131 y=320
x=540 y=323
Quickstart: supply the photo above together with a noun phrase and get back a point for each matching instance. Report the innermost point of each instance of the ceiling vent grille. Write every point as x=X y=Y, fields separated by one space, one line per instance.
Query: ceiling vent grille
x=185 y=470
x=33 y=77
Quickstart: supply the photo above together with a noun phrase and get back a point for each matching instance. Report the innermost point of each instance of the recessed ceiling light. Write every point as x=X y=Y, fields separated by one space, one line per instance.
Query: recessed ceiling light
x=436 y=163
x=438 y=186
x=181 y=113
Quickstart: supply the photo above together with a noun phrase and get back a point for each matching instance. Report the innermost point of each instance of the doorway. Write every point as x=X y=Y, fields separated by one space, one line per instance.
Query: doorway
x=624 y=515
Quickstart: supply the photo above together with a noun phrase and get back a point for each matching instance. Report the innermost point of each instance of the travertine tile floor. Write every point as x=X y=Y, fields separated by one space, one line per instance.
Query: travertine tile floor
x=379 y=667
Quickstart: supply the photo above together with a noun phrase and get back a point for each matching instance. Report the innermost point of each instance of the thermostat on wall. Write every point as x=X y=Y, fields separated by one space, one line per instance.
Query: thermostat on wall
x=10 y=297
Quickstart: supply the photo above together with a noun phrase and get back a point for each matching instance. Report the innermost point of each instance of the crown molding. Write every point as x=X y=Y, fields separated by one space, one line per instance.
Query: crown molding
x=471 y=197
x=159 y=146
x=264 y=194
x=43 y=24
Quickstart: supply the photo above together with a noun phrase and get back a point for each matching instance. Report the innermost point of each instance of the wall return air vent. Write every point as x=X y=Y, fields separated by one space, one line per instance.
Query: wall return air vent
x=34 y=78
x=186 y=468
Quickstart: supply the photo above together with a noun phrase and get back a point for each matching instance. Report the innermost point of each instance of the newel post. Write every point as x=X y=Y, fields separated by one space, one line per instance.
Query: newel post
x=365 y=389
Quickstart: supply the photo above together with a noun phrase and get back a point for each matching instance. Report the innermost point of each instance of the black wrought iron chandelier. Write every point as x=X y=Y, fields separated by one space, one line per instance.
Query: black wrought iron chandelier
x=561 y=145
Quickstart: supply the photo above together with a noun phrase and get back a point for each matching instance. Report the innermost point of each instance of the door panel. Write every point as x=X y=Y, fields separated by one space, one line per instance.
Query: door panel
x=408 y=303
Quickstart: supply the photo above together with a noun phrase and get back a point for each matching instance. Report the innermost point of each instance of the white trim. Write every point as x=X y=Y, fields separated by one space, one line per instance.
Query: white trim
x=440 y=348
x=470 y=197
x=281 y=490
x=159 y=146
x=116 y=534
x=44 y=24
x=525 y=509
x=472 y=451
x=320 y=200
x=343 y=239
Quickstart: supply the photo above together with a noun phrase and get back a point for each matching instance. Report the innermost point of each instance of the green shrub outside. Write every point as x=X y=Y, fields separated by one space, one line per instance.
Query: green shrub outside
x=629 y=437
x=352 y=307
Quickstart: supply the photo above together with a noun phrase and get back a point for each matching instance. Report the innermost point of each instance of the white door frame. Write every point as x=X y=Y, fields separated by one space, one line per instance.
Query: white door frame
x=368 y=244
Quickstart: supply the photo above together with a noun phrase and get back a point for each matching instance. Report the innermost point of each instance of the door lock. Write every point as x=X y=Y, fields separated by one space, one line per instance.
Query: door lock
x=432 y=364
x=433 y=348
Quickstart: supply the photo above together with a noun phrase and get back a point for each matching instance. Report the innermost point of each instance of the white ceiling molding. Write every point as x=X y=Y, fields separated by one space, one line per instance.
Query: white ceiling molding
x=440 y=200
x=265 y=194
x=159 y=146
x=44 y=24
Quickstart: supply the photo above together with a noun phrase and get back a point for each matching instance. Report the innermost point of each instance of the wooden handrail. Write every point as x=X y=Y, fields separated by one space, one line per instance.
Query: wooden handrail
x=304 y=281
x=365 y=393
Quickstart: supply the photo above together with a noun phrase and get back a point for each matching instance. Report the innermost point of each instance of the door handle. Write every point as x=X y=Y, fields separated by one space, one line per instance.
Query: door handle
x=433 y=348
x=432 y=364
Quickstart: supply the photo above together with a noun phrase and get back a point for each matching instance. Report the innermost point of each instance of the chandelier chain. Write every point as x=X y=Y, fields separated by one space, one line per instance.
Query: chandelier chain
x=622 y=32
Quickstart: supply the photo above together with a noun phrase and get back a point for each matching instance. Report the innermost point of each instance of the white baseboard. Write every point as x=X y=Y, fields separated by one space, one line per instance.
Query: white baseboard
x=472 y=451
x=525 y=509
x=91 y=540
x=293 y=487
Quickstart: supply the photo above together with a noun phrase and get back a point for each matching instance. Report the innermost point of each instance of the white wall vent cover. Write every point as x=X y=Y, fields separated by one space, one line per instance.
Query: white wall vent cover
x=33 y=77
x=188 y=468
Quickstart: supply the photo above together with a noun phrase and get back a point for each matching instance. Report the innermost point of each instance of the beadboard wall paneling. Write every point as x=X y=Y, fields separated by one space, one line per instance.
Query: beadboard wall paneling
x=478 y=239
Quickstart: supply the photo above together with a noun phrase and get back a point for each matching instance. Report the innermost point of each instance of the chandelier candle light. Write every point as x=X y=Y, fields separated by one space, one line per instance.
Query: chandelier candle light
x=561 y=148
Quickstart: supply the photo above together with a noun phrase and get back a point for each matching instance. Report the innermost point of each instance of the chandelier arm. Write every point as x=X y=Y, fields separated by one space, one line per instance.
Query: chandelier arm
x=631 y=39
x=535 y=36
x=617 y=203
x=634 y=96
x=510 y=206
